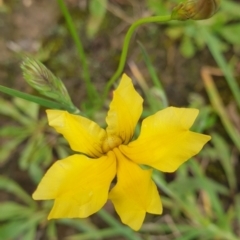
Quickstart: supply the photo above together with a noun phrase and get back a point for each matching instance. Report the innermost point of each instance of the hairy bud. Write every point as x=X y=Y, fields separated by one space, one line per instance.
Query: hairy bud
x=45 y=82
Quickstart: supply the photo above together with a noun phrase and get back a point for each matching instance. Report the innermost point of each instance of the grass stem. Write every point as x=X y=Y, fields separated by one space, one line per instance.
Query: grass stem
x=91 y=90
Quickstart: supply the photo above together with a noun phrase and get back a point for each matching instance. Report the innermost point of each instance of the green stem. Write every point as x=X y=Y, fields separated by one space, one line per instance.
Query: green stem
x=91 y=90
x=38 y=100
x=126 y=42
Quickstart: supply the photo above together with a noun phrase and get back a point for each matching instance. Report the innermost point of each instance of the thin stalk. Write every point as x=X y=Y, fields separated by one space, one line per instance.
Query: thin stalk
x=158 y=19
x=156 y=82
x=38 y=100
x=91 y=90
x=218 y=106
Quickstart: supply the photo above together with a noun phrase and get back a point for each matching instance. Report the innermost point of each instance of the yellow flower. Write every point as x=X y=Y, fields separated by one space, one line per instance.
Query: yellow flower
x=80 y=183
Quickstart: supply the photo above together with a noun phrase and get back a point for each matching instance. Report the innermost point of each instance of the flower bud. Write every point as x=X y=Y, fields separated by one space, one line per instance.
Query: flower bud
x=44 y=81
x=195 y=9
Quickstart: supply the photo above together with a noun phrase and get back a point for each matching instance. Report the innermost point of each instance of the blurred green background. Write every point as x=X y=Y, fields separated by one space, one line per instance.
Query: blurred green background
x=185 y=64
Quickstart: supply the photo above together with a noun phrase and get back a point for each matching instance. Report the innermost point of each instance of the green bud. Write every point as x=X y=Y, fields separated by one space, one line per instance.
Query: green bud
x=195 y=9
x=45 y=82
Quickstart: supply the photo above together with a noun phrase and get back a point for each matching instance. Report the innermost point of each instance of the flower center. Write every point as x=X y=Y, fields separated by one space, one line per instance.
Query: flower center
x=110 y=143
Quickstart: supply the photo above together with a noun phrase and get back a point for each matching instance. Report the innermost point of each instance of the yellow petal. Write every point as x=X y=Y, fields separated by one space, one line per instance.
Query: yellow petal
x=125 y=110
x=165 y=141
x=78 y=184
x=83 y=135
x=135 y=193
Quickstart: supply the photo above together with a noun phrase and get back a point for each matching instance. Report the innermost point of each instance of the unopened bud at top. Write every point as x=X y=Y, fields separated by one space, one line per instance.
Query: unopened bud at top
x=195 y=9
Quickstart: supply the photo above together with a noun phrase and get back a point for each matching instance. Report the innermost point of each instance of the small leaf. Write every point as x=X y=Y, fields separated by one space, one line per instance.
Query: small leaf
x=30 y=234
x=18 y=228
x=13 y=131
x=29 y=108
x=97 y=9
x=51 y=231
x=231 y=33
x=7 y=149
x=174 y=32
x=158 y=7
x=9 y=109
x=12 y=210
x=13 y=229
x=10 y=186
x=187 y=47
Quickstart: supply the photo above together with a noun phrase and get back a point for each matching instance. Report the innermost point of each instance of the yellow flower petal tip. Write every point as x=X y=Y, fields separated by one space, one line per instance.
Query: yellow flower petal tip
x=80 y=183
x=55 y=117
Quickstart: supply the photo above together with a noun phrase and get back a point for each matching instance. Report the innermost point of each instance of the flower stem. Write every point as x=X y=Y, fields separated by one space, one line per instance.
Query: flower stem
x=126 y=42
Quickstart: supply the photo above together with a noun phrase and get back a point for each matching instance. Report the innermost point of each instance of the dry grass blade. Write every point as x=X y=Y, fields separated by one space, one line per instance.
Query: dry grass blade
x=217 y=103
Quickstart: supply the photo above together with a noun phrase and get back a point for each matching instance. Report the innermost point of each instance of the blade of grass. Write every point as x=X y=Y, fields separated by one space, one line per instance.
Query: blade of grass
x=222 y=148
x=83 y=225
x=91 y=90
x=151 y=70
x=218 y=106
x=124 y=231
x=219 y=58
x=156 y=81
x=41 y=101
x=212 y=189
x=95 y=235
x=190 y=211
x=150 y=99
x=237 y=204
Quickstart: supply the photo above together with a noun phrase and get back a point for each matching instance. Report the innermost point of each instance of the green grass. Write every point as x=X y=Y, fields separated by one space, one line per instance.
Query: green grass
x=201 y=200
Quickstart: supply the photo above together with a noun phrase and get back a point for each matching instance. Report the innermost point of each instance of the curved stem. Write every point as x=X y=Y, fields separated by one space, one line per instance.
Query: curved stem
x=127 y=39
